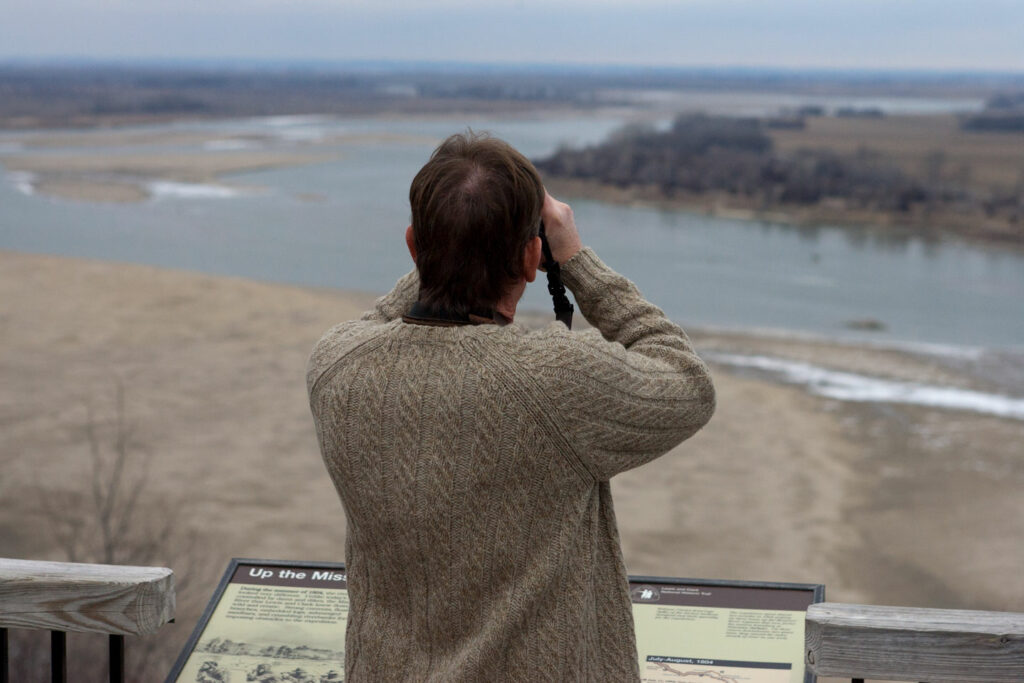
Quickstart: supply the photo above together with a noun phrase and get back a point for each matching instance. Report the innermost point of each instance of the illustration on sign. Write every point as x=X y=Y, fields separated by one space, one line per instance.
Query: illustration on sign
x=272 y=623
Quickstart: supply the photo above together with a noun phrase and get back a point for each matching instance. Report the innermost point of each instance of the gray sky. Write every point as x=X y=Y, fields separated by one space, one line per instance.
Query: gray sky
x=934 y=34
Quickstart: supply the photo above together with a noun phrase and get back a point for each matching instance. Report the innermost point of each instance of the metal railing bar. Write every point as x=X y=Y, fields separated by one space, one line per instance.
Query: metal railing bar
x=58 y=656
x=3 y=656
x=116 y=659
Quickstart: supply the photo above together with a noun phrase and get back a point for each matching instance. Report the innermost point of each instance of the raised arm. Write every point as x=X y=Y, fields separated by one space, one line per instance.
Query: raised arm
x=637 y=391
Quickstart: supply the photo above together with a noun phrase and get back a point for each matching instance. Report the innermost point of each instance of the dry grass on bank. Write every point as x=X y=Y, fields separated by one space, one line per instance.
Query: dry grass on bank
x=986 y=159
x=882 y=504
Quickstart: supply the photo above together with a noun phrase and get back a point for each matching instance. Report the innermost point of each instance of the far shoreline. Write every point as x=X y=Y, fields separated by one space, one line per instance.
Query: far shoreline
x=876 y=223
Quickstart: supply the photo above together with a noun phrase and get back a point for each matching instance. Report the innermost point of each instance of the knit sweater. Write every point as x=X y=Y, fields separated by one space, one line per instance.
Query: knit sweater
x=473 y=466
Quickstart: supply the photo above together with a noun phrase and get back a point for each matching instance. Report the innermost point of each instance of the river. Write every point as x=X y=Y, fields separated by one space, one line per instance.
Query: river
x=702 y=270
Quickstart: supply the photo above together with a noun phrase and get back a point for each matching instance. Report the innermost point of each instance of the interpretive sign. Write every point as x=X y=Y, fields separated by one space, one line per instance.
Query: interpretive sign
x=270 y=621
x=721 y=631
x=285 y=621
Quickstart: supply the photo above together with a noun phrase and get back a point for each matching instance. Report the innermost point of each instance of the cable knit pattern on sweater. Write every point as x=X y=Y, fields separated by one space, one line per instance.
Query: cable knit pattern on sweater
x=473 y=465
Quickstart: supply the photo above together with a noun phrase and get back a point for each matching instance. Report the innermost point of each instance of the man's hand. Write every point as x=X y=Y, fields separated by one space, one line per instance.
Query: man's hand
x=560 y=228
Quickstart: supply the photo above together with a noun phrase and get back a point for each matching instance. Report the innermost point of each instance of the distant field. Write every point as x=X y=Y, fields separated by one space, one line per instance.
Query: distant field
x=74 y=95
x=989 y=159
x=912 y=172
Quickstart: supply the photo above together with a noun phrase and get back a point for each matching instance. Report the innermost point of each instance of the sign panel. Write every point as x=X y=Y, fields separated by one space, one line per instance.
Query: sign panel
x=270 y=621
x=722 y=631
x=285 y=621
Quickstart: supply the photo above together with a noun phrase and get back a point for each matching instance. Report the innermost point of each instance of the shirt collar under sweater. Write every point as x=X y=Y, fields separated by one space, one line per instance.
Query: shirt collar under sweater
x=421 y=314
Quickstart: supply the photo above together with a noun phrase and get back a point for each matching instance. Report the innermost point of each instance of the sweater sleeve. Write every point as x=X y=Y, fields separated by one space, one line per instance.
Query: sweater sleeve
x=392 y=305
x=636 y=391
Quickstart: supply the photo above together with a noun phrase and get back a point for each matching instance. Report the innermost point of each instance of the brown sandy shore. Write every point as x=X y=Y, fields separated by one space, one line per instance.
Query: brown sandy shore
x=124 y=179
x=884 y=504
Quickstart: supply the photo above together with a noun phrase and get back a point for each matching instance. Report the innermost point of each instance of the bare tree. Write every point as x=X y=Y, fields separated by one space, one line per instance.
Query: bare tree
x=116 y=519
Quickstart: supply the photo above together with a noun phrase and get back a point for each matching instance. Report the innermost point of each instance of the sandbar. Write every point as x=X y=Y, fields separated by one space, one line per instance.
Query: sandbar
x=126 y=177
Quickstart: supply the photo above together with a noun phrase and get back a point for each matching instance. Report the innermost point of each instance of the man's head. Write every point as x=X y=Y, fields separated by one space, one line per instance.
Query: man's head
x=475 y=215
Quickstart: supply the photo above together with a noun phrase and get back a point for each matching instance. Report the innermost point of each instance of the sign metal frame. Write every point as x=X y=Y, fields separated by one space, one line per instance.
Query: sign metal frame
x=817 y=594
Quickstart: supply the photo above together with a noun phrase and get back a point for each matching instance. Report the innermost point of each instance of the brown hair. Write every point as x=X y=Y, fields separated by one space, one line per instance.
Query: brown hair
x=475 y=206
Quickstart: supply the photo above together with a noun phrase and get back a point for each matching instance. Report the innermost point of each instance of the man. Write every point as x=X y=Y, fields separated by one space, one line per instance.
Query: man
x=473 y=457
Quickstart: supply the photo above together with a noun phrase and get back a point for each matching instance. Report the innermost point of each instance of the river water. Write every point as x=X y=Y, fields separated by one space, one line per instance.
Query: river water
x=341 y=224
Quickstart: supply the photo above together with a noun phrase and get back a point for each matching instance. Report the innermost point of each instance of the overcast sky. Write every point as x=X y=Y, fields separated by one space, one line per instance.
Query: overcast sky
x=930 y=34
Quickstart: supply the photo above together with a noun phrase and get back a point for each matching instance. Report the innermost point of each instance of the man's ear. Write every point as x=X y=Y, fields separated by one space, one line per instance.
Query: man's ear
x=411 y=243
x=531 y=259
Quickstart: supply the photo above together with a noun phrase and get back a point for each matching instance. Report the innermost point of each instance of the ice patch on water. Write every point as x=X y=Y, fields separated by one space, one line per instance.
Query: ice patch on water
x=297 y=128
x=951 y=351
x=848 y=386
x=300 y=134
x=228 y=145
x=161 y=189
x=972 y=353
x=23 y=182
x=291 y=120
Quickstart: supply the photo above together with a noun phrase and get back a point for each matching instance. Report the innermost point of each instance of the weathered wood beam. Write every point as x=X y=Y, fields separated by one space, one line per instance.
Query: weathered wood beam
x=914 y=644
x=100 y=598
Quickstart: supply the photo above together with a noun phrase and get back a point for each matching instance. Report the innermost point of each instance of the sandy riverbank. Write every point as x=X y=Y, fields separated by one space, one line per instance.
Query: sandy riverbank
x=131 y=177
x=883 y=503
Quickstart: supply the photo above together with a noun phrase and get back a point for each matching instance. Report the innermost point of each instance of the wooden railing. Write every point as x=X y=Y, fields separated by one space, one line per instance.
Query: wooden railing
x=94 y=598
x=850 y=641
x=914 y=644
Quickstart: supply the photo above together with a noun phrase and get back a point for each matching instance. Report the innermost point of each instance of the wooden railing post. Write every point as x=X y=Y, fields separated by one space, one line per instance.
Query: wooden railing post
x=92 y=598
x=914 y=644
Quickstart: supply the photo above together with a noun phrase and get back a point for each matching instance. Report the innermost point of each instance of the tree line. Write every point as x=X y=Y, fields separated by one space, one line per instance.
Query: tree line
x=701 y=154
x=1004 y=112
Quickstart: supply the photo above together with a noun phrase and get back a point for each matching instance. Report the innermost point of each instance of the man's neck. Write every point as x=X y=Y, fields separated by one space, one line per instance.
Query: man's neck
x=506 y=305
x=506 y=309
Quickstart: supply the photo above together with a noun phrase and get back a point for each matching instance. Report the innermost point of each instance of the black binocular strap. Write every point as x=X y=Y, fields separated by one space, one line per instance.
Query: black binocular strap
x=563 y=308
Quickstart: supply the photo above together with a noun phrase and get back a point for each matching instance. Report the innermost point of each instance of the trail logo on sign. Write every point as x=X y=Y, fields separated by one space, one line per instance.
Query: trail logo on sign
x=645 y=594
